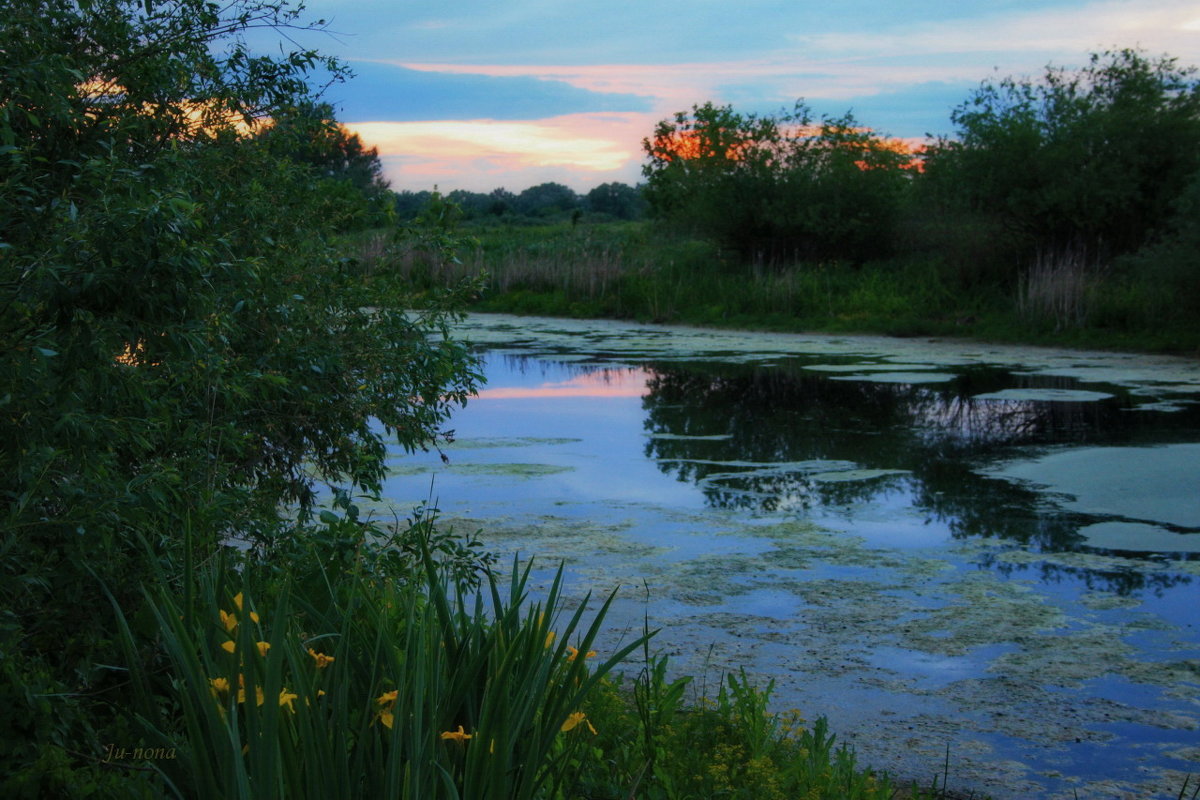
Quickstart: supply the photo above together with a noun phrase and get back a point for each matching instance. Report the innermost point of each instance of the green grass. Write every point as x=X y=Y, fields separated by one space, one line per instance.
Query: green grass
x=635 y=270
x=372 y=667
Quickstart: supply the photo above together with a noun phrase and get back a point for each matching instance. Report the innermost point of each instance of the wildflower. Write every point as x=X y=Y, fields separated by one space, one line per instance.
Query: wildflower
x=286 y=698
x=459 y=736
x=263 y=647
x=549 y=639
x=237 y=601
x=229 y=646
x=388 y=700
x=573 y=653
x=228 y=621
x=321 y=659
x=259 y=697
x=218 y=686
x=573 y=721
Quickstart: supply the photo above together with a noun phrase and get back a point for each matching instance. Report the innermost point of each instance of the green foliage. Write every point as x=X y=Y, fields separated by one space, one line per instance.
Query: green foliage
x=374 y=682
x=776 y=187
x=658 y=746
x=616 y=200
x=181 y=350
x=1088 y=160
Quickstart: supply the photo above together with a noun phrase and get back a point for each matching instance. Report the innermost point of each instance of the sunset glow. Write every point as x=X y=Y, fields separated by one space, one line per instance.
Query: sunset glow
x=603 y=383
x=483 y=97
x=591 y=145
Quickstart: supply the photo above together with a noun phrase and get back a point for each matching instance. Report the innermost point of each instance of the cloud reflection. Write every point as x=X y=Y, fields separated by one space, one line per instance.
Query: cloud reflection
x=599 y=383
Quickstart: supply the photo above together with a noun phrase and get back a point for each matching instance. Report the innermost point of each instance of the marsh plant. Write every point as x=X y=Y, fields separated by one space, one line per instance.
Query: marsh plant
x=369 y=683
x=362 y=670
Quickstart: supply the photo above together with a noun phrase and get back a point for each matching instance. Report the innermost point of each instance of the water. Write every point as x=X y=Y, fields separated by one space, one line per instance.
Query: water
x=983 y=548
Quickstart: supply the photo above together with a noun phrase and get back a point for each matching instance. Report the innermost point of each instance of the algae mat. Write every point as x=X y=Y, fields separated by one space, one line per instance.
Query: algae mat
x=997 y=560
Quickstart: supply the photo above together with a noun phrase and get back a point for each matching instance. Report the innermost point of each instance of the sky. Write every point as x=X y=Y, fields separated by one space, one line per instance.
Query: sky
x=479 y=94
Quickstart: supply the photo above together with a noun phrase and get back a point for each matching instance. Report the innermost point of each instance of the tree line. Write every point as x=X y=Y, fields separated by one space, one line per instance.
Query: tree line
x=546 y=201
x=1049 y=184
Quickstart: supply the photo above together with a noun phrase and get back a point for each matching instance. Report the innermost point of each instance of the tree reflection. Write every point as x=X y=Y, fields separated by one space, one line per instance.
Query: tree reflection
x=791 y=432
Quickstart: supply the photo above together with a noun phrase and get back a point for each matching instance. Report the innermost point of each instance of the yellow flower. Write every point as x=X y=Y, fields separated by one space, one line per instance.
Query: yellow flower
x=459 y=736
x=573 y=721
x=263 y=647
x=259 y=698
x=322 y=660
x=549 y=639
x=573 y=653
x=286 y=698
x=388 y=701
x=228 y=621
x=320 y=692
x=229 y=646
x=218 y=686
x=237 y=601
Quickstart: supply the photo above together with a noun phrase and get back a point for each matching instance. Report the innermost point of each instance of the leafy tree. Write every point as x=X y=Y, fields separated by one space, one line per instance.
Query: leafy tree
x=348 y=174
x=1084 y=161
x=546 y=200
x=776 y=186
x=180 y=356
x=619 y=200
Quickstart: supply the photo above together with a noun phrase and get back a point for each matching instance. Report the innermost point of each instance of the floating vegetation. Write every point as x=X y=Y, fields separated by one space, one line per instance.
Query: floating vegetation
x=899 y=377
x=683 y=437
x=844 y=476
x=500 y=441
x=1138 y=537
x=1152 y=484
x=1046 y=394
x=864 y=367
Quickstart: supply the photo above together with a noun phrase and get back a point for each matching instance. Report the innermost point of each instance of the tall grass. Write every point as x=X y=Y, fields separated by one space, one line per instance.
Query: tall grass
x=635 y=270
x=333 y=675
x=417 y=689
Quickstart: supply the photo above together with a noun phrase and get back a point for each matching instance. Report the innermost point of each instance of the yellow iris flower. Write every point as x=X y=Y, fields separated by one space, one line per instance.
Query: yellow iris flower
x=459 y=736
x=321 y=659
x=573 y=721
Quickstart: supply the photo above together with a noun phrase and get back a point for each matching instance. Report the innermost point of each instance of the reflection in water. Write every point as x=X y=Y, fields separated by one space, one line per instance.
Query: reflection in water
x=785 y=439
x=795 y=441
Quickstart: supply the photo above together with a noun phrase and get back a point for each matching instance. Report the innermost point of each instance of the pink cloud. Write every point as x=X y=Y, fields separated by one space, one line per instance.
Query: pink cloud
x=582 y=150
x=604 y=383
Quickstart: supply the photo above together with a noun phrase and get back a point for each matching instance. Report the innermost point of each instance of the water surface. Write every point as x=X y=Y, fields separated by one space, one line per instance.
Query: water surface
x=989 y=548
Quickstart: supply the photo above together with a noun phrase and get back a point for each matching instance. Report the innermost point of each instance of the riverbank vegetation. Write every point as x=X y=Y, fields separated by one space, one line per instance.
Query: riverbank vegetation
x=1062 y=210
x=196 y=386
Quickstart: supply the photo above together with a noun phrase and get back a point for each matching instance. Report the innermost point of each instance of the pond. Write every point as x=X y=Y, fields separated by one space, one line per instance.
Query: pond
x=990 y=549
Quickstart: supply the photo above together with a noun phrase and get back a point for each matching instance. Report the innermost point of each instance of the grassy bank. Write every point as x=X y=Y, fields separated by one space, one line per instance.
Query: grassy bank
x=349 y=661
x=636 y=270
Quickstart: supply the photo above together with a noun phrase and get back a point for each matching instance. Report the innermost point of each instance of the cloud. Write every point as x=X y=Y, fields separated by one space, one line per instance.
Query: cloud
x=582 y=150
x=391 y=92
x=859 y=61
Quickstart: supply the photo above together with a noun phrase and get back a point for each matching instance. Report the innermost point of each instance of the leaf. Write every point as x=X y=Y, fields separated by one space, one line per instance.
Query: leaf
x=47 y=352
x=328 y=517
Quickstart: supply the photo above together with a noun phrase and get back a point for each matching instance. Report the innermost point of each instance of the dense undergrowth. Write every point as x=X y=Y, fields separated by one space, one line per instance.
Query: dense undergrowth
x=644 y=271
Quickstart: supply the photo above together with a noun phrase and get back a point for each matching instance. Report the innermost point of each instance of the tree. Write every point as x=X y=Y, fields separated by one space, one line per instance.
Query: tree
x=346 y=173
x=179 y=352
x=546 y=200
x=1086 y=161
x=778 y=186
x=619 y=200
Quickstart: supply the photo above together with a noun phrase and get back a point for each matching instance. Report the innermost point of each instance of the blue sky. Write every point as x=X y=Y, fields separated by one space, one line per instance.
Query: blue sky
x=478 y=95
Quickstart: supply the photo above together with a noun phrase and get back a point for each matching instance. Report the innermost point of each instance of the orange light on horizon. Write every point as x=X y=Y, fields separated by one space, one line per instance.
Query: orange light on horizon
x=601 y=383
